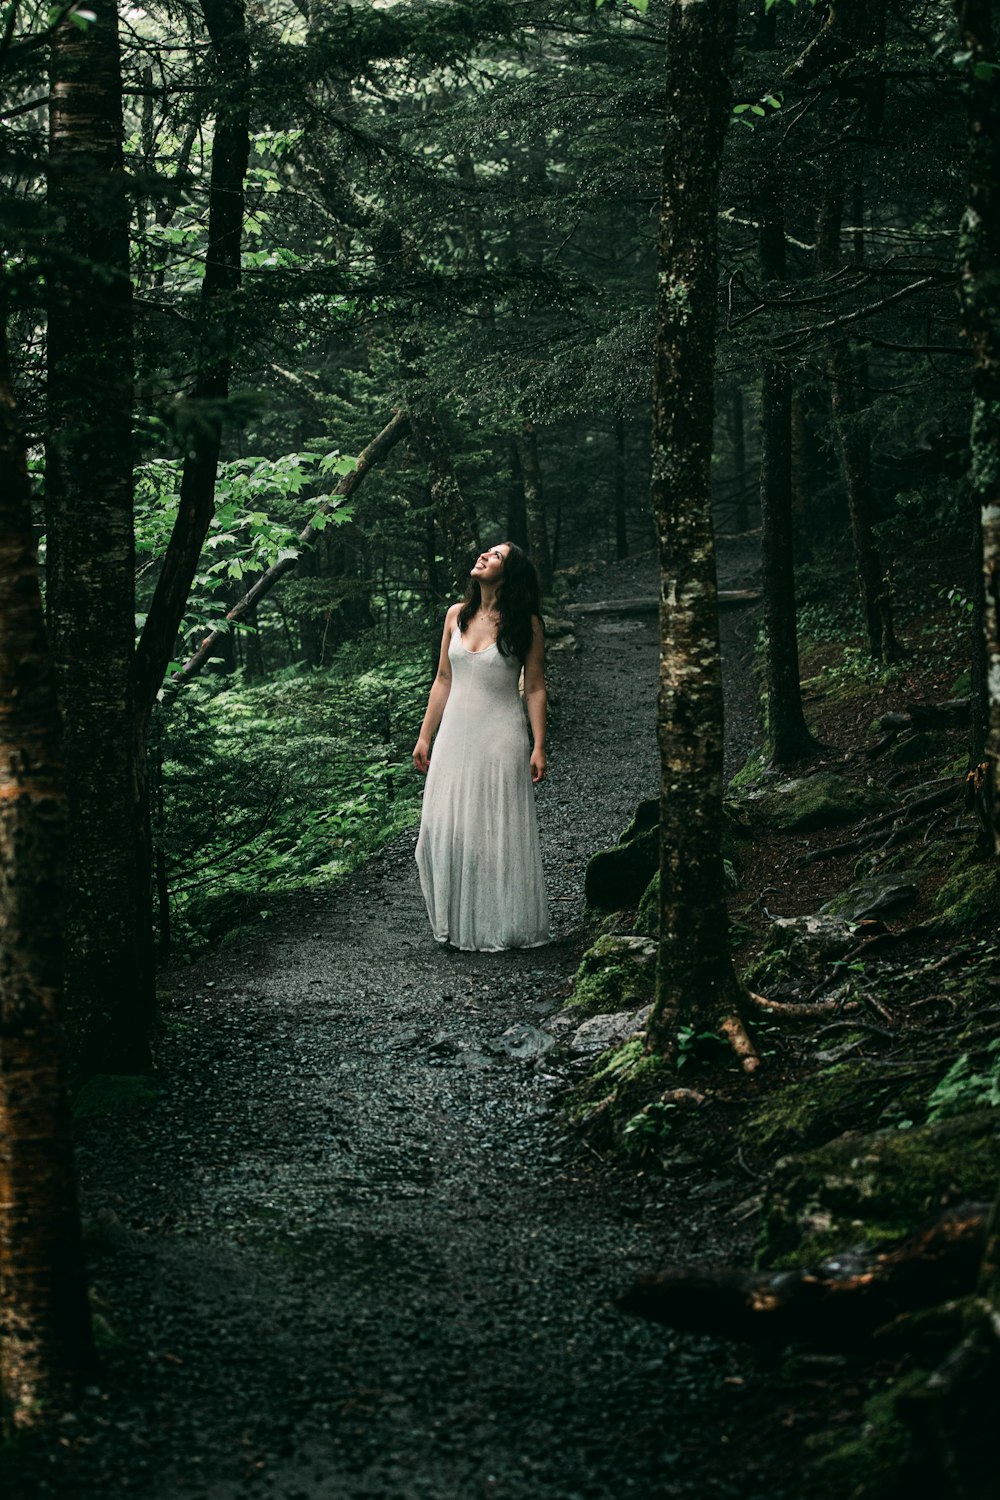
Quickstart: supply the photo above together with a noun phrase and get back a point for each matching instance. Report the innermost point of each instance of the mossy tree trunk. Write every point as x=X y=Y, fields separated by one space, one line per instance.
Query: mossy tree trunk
x=788 y=736
x=534 y=504
x=90 y=551
x=45 y=1342
x=980 y=292
x=696 y=981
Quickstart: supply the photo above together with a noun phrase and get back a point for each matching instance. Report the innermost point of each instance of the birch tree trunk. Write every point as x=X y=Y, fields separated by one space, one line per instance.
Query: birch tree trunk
x=696 y=981
x=45 y=1342
x=90 y=562
x=979 y=23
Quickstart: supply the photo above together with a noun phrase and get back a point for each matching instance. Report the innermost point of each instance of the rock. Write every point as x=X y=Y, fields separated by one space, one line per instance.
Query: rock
x=800 y=946
x=616 y=974
x=604 y=1031
x=925 y=744
x=862 y=1189
x=821 y=801
x=616 y=878
x=523 y=1042
x=874 y=897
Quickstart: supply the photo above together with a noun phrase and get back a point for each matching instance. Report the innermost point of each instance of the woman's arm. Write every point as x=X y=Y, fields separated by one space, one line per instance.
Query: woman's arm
x=438 y=697
x=536 y=698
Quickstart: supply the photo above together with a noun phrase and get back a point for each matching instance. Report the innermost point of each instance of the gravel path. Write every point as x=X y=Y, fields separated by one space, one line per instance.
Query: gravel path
x=346 y=1252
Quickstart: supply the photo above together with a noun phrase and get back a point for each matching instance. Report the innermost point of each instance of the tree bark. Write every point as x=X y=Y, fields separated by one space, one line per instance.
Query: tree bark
x=788 y=736
x=90 y=563
x=226 y=23
x=46 y=1352
x=621 y=527
x=534 y=504
x=979 y=277
x=695 y=979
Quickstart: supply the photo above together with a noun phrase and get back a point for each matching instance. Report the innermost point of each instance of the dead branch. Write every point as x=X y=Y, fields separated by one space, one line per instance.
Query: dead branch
x=838 y=1305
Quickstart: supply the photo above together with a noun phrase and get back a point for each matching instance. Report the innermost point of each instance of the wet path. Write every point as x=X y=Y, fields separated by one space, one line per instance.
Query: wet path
x=344 y=1255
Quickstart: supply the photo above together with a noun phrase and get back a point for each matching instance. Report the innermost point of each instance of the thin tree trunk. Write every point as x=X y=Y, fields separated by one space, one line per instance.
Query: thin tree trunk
x=789 y=738
x=534 y=504
x=621 y=528
x=90 y=562
x=696 y=981
x=802 y=509
x=226 y=23
x=980 y=276
x=741 y=518
x=46 y=1352
x=517 y=516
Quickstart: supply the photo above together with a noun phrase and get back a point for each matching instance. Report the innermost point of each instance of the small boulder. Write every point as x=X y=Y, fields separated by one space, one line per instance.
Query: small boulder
x=604 y=1031
x=864 y=1189
x=523 y=1042
x=801 y=945
x=616 y=974
x=825 y=800
x=874 y=897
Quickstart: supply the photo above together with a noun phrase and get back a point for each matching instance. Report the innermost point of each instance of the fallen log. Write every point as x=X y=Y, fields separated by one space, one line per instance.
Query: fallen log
x=838 y=1305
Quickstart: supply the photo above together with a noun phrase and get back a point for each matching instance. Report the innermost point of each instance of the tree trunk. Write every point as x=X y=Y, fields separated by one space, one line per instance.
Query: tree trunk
x=621 y=528
x=741 y=512
x=90 y=563
x=696 y=981
x=226 y=23
x=46 y=1352
x=534 y=504
x=789 y=739
x=980 y=277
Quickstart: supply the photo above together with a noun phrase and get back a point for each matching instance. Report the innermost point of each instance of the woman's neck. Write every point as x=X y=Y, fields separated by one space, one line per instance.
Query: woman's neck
x=488 y=596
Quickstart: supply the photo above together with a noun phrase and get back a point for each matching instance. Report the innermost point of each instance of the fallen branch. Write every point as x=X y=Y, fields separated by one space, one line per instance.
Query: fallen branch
x=839 y=1305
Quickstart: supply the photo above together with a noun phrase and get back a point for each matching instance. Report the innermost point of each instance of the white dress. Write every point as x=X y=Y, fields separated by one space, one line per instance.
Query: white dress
x=478 y=853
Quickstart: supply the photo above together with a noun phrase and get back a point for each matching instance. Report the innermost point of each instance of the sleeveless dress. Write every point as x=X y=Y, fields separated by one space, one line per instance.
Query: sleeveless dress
x=478 y=852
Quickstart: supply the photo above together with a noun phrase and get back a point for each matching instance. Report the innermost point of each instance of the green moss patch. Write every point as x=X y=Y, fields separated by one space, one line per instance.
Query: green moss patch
x=970 y=899
x=821 y=801
x=863 y=1189
x=617 y=973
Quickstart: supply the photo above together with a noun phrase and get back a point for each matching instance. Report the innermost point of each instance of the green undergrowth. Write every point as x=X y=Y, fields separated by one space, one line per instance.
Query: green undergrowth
x=615 y=974
x=290 y=783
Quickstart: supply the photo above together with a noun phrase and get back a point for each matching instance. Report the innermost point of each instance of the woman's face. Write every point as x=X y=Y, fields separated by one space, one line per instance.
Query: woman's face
x=489 y=564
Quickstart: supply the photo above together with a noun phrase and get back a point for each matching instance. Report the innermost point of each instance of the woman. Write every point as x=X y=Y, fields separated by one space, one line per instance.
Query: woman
x=478 y=854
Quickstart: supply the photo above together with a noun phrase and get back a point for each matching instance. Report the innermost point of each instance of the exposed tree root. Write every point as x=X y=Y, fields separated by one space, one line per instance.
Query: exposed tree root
x=838 y=1305
x=739 y=1039
x=796 y=1010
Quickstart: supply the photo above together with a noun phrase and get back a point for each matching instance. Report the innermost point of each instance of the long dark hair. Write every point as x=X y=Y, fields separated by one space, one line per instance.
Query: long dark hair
x=519 y=596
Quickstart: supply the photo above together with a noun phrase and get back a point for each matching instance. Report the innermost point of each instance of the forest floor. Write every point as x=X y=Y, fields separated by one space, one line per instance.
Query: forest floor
x=347 y=1247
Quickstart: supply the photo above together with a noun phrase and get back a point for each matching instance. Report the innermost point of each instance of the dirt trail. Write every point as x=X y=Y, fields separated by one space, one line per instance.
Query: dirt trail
x=345 y=1253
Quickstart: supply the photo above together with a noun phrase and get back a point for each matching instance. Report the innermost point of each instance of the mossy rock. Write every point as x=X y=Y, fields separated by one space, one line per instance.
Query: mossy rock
x=870 y=1465
x=647 y=918
x=970 y=899
x=923 y=744
x=616 y=878
x=821 y=801
x=112 y=1094
x=616 y=974
x=647 y=816
x=864 y=1189
x=799 y=946
x=822 y=1107
x=888 y=891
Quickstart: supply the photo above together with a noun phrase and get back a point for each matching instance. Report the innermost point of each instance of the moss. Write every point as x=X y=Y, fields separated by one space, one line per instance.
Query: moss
x=869 y=1466
x=753 y=770
x=863 y=1189
x=921 y=745
x=615 y=974
x=647 y=918
x=816 y=1109
x=969 y=899
x=112 y=1094
x=616 y=878
x=821 y=801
